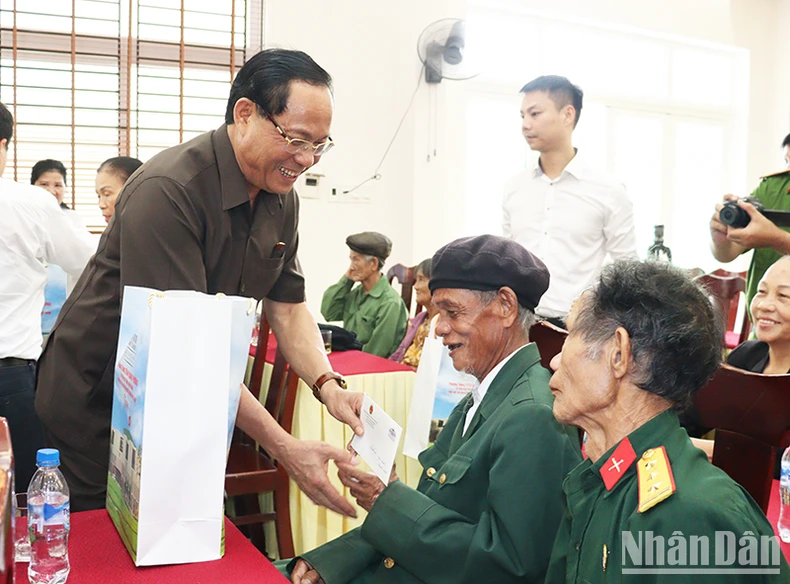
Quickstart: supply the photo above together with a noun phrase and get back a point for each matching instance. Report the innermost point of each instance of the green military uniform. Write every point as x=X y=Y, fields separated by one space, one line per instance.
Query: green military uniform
x=590 y=545
x=773 y=193
x=378 y=318
x=488 y=504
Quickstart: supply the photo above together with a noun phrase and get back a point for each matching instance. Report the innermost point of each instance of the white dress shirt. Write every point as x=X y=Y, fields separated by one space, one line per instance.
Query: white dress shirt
x=34 y=231
x=570 y=223
x=479 y=392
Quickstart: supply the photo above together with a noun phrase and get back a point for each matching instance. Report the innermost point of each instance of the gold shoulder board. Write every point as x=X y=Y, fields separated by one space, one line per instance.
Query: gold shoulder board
x=654 y=475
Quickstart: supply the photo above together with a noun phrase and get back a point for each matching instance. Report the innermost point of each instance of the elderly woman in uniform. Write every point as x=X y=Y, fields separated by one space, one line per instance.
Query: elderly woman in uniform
x=640 y=343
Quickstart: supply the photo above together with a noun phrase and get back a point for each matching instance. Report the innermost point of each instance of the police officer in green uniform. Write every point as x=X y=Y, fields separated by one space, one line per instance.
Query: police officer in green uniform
x=647 y=506
x=768 y=241
x=372 y=310
x=489 y=500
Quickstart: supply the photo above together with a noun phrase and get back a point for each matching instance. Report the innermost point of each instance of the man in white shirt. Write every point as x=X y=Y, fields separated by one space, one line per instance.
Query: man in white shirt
x=33 y=231
x=567 y=213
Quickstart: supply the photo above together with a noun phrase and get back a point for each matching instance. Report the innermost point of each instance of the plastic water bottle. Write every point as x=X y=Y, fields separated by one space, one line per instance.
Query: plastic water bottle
x=784 y=495
x=48 y=521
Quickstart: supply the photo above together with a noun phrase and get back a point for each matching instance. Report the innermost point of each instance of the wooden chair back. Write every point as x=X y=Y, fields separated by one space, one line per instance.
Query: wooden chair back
x=6 y=504
x=406 y=276
x=549 y=339
x=726 y=288
x=251 y=471
x=750 y=413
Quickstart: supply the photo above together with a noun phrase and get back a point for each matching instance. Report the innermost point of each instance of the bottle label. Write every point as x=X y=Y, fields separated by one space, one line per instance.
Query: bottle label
x=51 y=515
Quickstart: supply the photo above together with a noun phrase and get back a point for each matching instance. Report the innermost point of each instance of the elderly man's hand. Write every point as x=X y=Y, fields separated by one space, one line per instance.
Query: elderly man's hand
x=365 y=487
x=343 y=405
x=307 y=463
x=303 y=573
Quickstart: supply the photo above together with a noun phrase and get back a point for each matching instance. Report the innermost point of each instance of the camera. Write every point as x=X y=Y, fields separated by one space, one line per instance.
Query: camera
x=731 y=214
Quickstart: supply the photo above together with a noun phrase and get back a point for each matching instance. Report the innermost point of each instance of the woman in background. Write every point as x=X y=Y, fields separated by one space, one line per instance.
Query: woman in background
x=110 y=178
x=50 y=175
x=770 y=353
x=410 y=349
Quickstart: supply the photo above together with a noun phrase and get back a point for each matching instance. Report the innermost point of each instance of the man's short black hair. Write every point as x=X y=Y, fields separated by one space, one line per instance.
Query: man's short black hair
x=786 y=141
x=265 y=79
x=6 y=124
x=676 y=333
x=561 y=91
x=43 y=166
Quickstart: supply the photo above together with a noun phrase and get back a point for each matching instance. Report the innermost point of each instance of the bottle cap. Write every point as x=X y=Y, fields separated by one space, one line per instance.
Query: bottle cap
x=47 y=457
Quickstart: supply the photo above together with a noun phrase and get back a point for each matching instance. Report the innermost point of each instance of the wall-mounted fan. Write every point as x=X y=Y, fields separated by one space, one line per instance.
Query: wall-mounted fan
x=441 y=49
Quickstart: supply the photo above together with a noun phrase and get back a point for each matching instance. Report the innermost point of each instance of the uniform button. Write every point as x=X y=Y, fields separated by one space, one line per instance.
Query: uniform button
x=577 y=546
x=442 y=478
x=430 y=472
x=242 y=287
x=389 y=563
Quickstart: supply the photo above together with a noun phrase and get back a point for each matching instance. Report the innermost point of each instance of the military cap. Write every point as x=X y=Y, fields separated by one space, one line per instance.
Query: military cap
x=370 y=243
x=489 y=262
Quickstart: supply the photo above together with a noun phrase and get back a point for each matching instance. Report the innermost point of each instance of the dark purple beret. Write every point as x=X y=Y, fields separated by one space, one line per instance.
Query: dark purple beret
x=489 y=262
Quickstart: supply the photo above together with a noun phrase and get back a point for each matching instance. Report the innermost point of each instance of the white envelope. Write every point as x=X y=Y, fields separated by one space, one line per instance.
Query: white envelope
x=378 y=445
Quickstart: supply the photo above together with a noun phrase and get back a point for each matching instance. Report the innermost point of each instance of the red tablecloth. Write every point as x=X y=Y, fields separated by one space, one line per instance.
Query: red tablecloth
x=97 y=554
x=346 y=362
x=773 y=517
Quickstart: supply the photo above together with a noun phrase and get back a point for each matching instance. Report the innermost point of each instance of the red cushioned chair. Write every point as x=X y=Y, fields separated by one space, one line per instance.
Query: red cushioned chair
x=750 y=414
x=250 y=470
x=726 y=288
x=406 y=276
x=549 y=339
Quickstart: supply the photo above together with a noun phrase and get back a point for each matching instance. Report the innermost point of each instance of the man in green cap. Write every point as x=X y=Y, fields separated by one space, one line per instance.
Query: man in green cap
x=647 y=506
x=372 y=310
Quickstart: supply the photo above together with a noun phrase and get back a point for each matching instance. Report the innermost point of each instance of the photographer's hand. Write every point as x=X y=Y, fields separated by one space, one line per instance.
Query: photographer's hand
x=722 y=248
x=759 y=233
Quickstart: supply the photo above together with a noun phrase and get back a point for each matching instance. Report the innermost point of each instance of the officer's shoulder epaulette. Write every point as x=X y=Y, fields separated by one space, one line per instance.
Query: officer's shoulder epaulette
x=654 y=475
x=777 y=173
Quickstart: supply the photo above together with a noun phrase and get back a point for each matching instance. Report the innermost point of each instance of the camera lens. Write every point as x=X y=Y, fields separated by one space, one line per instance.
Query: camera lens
x=731 y=214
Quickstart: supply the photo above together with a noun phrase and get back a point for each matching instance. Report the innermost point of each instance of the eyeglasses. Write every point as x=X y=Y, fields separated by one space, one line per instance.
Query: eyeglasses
x=297 y=145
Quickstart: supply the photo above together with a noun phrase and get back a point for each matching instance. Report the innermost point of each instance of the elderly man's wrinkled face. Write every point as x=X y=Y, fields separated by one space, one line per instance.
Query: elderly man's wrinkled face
x=471 y=330
x=361 y=267
x=582 y=385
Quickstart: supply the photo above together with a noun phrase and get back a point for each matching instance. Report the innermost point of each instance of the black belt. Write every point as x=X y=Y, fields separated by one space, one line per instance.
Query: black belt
x=14 y=362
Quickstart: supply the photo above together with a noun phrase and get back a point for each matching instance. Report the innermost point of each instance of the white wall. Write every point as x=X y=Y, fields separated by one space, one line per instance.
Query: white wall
x=369 y=48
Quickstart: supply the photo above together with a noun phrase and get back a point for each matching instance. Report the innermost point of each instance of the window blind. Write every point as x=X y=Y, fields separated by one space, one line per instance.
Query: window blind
x=87 y=80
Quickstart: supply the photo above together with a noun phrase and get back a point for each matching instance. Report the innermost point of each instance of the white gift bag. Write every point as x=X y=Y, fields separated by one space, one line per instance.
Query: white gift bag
x=438 y=387
x=179 y=367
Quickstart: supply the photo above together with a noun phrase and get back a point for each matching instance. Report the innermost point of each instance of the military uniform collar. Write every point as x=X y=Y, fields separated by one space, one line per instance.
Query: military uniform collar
x=503 y=383
x=232 y=182
x=650 y=435
x=380 y=287
x=777 y=173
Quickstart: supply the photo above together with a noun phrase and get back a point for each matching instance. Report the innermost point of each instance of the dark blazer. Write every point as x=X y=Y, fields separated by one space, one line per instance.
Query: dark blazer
x=488 y=504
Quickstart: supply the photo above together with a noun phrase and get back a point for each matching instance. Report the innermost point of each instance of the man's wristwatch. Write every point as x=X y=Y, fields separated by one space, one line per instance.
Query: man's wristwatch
x=319 y=383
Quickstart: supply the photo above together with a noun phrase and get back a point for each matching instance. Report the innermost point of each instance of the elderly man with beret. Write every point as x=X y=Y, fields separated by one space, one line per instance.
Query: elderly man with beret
x=489 y=500
x=372 y=310
x=647 y=506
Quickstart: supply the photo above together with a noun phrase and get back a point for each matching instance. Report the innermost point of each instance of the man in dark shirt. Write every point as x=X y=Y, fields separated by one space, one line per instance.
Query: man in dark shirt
x=216 y=214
